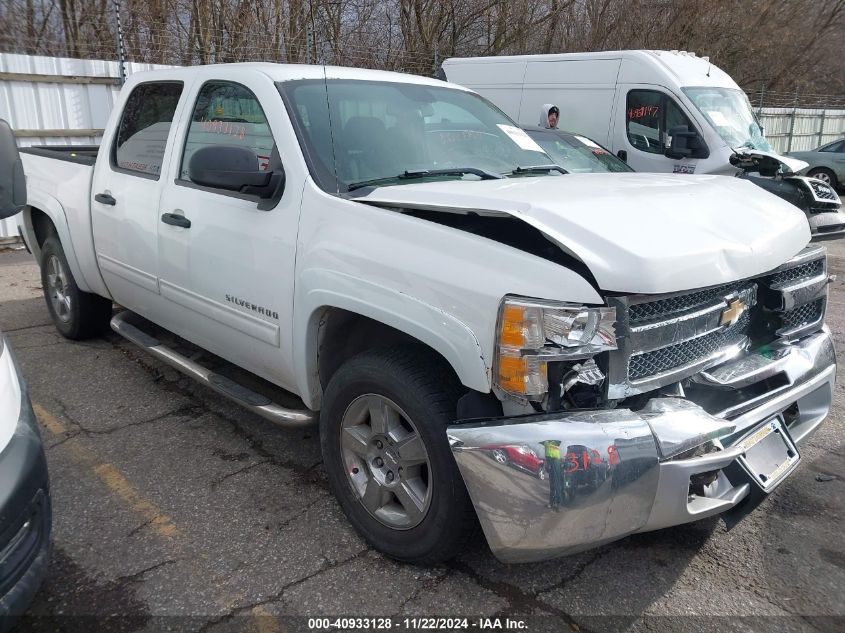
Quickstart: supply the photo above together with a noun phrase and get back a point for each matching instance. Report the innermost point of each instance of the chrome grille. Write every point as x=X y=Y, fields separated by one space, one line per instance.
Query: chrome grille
x=804 y=271
x=803 y=315
x=672 y=306
x=689 y=352
x=664 y=339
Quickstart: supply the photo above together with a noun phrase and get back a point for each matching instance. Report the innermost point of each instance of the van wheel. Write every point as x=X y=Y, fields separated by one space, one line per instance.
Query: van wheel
x=383 y=436
x=77 y=315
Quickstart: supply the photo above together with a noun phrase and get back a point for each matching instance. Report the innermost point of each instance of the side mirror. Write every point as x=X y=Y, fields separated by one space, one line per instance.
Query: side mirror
x=682 y=141
x=234 y=168
x=12 y=181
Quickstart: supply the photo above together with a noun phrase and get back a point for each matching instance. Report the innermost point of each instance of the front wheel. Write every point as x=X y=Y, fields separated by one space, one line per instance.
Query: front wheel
x=825 y=175
x=77 y=315
x=383 y=435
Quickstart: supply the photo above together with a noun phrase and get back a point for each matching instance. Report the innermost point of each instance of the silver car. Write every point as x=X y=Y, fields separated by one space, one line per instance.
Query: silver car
x=827 y=163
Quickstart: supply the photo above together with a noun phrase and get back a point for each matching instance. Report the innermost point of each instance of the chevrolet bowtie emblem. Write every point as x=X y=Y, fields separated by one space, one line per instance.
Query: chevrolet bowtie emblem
x=731 y=314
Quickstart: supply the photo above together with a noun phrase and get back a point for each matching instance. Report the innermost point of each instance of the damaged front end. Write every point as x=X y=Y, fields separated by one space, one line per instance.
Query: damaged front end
x=707 y=398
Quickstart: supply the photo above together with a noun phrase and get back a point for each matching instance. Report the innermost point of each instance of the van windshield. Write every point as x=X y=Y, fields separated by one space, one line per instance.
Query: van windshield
x=367 y=133
x=730 y=114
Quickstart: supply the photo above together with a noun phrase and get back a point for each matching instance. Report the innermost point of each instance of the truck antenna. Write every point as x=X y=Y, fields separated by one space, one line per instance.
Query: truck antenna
x=331 y=132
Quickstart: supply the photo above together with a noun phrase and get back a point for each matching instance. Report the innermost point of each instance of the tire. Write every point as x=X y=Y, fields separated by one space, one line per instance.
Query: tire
x=77 y=315
x=825 y=175
x=408 y=386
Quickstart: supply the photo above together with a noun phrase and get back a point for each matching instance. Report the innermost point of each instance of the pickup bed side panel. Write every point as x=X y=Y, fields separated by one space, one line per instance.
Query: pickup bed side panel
x=437 y=284
x=48 y=181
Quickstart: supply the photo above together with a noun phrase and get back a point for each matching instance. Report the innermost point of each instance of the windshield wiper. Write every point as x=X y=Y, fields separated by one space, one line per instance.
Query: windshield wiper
x=409 y=174
x=535 y=169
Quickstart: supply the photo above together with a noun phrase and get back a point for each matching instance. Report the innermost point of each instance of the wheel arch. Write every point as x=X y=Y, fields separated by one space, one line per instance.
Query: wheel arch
x=45 y=216
x=337 y=326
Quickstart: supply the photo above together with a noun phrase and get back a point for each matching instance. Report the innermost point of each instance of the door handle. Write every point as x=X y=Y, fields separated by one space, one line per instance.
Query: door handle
x=176 y=220
x=105 y=198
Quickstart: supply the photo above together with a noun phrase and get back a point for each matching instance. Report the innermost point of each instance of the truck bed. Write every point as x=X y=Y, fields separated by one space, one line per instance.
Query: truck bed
x=82 y=154
x=59 y=184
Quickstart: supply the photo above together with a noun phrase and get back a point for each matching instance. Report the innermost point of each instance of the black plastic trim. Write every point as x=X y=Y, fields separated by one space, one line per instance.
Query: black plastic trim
x=62 y=152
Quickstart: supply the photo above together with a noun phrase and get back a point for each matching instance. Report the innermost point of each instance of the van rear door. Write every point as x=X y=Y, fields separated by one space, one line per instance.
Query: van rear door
x=582 y=89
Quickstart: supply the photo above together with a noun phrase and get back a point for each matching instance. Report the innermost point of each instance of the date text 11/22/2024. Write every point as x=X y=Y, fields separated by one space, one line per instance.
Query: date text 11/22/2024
x=417 y=624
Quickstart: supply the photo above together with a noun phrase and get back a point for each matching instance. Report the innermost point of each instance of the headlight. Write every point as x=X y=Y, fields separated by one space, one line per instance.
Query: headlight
x=532 y=333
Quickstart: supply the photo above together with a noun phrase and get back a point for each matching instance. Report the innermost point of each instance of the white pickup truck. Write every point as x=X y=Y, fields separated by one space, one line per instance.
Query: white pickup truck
x=565 y=359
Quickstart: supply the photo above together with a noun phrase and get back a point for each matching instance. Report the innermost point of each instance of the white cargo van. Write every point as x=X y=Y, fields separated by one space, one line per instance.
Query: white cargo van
x=634 y=102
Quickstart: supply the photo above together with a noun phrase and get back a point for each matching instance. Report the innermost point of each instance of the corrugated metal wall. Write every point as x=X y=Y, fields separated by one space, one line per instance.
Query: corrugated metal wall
x=791 y=130
x=28 y=105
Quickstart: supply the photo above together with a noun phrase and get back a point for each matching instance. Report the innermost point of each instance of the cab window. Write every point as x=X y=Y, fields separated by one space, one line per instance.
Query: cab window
x=648 y=118
x=227 y=113
x=837 y=147
x=144 y=125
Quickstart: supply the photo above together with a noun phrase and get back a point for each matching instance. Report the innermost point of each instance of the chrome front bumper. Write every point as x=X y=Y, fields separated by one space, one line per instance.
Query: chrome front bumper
x=624 y=471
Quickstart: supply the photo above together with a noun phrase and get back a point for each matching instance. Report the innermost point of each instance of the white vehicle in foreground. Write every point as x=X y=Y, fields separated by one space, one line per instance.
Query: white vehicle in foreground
x=566 y=359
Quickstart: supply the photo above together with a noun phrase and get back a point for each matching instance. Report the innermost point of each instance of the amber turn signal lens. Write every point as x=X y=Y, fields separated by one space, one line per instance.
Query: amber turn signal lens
x=513 y=327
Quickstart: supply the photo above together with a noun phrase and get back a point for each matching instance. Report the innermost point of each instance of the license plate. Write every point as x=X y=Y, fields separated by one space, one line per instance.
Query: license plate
x=769 y=454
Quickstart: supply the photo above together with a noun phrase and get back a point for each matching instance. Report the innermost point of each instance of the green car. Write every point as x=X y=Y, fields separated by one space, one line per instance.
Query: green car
x=827 y=163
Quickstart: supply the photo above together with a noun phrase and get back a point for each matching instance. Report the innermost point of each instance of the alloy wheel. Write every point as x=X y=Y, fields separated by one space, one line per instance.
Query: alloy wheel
x=386 y=461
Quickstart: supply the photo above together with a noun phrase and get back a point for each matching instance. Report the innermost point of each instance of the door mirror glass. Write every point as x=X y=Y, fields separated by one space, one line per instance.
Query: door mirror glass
x=685 y=143
x=12 y=181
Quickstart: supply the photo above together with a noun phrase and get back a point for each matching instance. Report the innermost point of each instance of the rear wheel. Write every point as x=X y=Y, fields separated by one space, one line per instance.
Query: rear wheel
x=77 y=315
x=825 y=175
x=383 y=434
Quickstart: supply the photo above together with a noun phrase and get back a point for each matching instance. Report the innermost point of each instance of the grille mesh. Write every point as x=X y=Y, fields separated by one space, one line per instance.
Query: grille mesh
x=803 y=315
x=822 y=190
x=673 y=356
x=807 y=270
x=674 y=306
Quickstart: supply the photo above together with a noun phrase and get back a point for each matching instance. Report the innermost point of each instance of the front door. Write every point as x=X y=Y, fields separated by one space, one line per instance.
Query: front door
x=226 y=267
x=125 y=194
x=648 y=116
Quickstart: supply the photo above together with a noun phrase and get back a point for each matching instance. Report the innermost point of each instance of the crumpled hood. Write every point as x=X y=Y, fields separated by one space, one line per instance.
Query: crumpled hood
x=637 y=233
x=792 y=164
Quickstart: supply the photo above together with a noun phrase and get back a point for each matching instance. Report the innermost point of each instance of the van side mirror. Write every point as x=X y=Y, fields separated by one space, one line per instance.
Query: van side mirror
x=680 y=144
x=12 y=180
x=234 y=168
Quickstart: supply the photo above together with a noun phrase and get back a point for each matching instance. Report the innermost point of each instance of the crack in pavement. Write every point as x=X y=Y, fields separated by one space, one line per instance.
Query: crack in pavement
x=217 y=482
x=518 y=598
x=26 y=327
x=138 y=575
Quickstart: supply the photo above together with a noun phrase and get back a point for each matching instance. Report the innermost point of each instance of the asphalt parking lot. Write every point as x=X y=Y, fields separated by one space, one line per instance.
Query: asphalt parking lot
x=175 y=509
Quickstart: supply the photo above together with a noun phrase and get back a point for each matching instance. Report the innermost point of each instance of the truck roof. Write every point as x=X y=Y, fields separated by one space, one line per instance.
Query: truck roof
x=290 y=72
x=681 y=68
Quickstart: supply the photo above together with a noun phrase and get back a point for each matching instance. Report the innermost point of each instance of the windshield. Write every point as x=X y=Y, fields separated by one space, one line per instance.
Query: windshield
x=577 y=154
x=355 y=132
x=729 y=112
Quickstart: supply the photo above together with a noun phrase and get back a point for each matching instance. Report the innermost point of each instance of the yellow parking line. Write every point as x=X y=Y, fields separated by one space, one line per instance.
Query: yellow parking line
x=49 y=420
x=110 y=476
x=265 y=622
x=159 y=522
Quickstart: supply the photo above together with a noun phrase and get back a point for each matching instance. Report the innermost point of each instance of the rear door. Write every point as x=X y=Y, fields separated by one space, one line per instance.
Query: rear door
x=126 y=189
x=227 y=273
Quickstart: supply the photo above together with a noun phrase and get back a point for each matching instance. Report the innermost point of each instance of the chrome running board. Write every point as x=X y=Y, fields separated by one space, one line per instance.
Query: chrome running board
x=244 y=396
